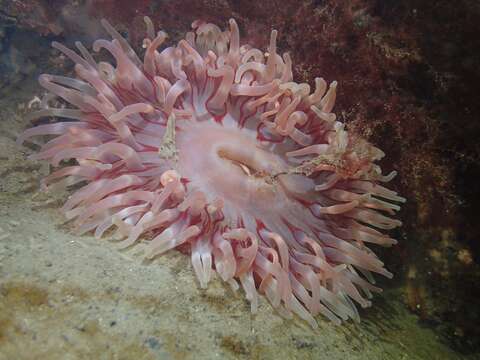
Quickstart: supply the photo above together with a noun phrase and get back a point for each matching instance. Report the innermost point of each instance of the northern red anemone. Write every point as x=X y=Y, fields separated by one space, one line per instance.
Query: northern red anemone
x=210 y=146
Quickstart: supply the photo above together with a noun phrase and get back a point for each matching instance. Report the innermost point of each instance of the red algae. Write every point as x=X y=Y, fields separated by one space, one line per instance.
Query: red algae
x=210 y=145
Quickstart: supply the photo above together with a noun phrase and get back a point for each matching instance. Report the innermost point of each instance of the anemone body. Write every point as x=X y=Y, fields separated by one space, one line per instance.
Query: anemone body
x=210 y=146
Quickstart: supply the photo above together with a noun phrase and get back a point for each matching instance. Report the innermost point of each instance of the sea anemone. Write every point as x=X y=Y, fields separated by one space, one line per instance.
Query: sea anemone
x=209 y=146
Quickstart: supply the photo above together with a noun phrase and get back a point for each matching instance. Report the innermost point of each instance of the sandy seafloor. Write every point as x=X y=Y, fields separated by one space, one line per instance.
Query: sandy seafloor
x=74 y=297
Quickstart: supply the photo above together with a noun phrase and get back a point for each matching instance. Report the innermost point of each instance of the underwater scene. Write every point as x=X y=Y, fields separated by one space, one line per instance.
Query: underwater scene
x=228 y=179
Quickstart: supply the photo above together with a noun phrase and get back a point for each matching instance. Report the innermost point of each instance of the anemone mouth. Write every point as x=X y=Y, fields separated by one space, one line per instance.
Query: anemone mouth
x=228 y=163
x=211 y=145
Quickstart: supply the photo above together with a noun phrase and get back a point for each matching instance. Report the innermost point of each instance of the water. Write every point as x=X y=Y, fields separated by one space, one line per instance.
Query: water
x=401 y=85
